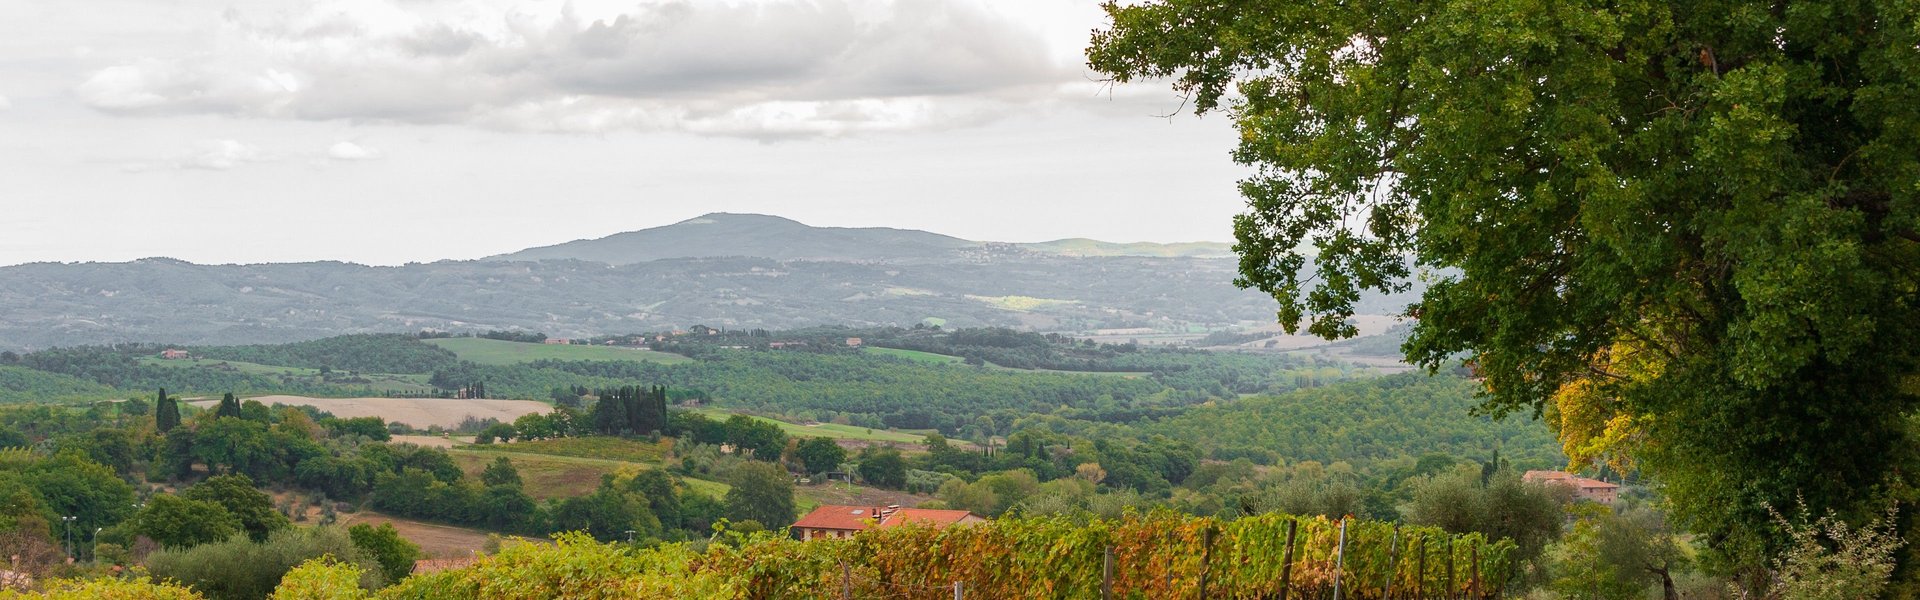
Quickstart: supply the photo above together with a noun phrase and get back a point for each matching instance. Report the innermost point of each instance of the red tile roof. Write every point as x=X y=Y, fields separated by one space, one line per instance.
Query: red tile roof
x=834 y=516
x=936 y=518
x=1574 y=480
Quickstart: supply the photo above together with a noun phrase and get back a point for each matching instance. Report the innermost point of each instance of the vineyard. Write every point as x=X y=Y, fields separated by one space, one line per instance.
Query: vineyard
x=1159 y=555
x=1162 y=555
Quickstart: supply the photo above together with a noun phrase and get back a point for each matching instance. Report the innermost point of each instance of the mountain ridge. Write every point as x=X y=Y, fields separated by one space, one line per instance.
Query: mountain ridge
x=715 y=235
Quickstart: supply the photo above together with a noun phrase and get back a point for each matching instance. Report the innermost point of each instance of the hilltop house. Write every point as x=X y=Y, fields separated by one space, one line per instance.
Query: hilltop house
x=1592 y=490
x=175 y=354
x=837 y=521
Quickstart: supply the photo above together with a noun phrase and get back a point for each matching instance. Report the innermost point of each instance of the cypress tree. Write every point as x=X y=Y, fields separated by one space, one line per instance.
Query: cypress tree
x=166 y=412
x=636 y=417
x=229 y=406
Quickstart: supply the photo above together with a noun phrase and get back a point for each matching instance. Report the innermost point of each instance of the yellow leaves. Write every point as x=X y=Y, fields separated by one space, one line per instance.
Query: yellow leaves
x=106 y=589
x=1593 y=422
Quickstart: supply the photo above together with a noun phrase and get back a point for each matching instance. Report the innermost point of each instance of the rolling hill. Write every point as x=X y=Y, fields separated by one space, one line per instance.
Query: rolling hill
x=730 y=271
x=760 y=236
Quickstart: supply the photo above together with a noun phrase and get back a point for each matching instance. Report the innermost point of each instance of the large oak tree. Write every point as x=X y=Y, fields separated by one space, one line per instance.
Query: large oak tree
x=1697 y=223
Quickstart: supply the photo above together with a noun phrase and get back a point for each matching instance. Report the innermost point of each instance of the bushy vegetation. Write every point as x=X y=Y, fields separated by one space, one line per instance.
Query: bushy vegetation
x=20 y=384
x=369 y=353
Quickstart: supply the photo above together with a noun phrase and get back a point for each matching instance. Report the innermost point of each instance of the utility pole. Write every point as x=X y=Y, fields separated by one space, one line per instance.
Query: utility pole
x=69 y=522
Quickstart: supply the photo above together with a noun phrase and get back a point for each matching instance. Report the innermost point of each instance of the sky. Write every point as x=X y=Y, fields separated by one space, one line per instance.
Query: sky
x=393 y=131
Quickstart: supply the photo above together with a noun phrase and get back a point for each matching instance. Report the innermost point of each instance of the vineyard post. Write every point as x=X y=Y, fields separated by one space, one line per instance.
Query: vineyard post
x=1166 y=575
x=1339 y=558
x=1106 y=575
x=1393 y=552
x=1448 y=548
x=846 y=581
x=1286 y=560
x=1476 y=591
x=958 y=591
x=1420 y=577
x=1206 y=558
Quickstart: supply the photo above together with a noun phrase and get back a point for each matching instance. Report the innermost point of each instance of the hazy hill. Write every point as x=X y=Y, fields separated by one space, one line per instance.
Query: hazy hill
x=761 y=236
x=701 y=271
x=1087 y=247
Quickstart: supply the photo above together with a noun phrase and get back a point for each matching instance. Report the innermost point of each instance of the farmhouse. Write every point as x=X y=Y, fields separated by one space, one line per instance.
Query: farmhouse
x=837 y=521
x=853 y=342
x=175 y=354
x=1592 y=490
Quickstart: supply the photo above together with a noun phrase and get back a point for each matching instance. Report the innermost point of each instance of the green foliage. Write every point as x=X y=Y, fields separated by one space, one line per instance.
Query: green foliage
x=1158 y=555
x=236 y=493
x=761 y=492
x=573 y=567
x=608 y=514
x=371 y=427
x=819 y=454
x=1610 y=555
x=322 y=579
x=20 y=385
x=68 y=484
x=755 y=438
x=500 y=472
x=1828 y=559
x=95 y=589
x=229 y=407
x=368 y=353
x=1460 y=501
x=384 y=546
x=176 y=522
x=502 y=352
x=883 y=467
x=1363 y=423
x=242 y=569
x=1724 y=190
x=166 y=412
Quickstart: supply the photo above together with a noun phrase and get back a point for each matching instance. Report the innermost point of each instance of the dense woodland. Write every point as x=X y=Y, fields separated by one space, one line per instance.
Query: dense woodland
x=1149 y=428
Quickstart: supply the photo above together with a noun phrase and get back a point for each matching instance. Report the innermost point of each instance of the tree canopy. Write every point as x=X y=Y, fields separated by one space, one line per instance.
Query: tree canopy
x=1707 y=213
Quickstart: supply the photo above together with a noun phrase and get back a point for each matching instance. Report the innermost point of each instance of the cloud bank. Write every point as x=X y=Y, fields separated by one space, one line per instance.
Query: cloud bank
x=767 y=69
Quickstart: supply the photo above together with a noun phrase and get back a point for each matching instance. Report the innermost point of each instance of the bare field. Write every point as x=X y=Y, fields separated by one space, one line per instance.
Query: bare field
x=418 y=413
x=436 y=541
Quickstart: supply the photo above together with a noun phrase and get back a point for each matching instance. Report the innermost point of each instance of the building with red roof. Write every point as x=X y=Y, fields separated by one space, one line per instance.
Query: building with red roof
x=1593 y=490
x=833 y=521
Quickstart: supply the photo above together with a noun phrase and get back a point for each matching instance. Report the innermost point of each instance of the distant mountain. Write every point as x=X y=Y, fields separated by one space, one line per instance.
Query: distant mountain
x=721 y=270
x=759 y=236
x=1087 y=247
x=762 y=236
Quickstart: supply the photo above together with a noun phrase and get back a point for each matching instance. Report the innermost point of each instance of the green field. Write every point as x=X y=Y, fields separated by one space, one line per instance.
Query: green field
x=598 y=446
x=830 y=430
x=499 y=352
x=914 y=355
x=228 y=365
x=931 y=358
x=549 y=476
x=377 y=382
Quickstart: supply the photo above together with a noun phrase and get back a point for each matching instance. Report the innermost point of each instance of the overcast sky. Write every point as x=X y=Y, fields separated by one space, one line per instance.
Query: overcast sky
x=389 y=131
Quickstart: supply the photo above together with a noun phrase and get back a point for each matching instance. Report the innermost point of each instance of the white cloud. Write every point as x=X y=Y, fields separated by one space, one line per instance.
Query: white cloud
x=773 y=68
x=5 y=104
x=222 y=155
x=351 y=151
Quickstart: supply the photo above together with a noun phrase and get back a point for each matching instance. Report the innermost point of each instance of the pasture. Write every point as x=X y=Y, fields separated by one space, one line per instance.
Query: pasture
x=830 y=430
x=501 y=352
